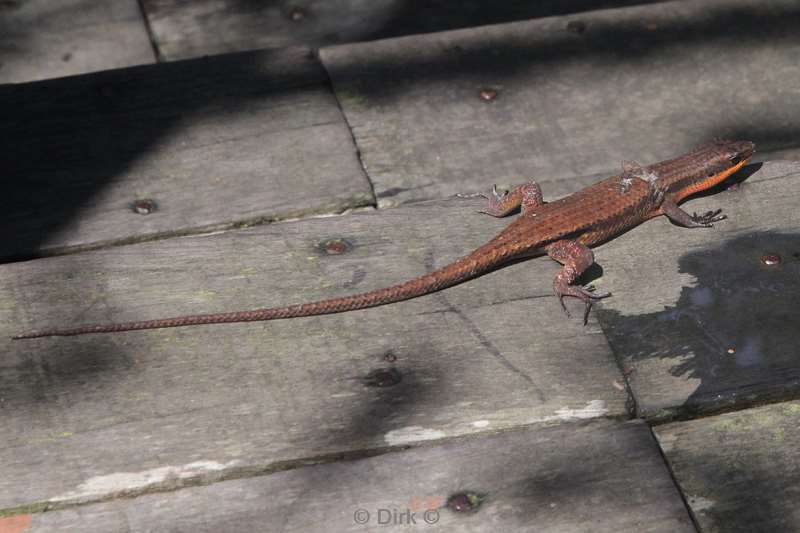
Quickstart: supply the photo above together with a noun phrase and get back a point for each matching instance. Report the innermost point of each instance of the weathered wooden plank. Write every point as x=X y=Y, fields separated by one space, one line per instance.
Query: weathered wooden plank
x=85 y=418
x=190 y=29
x=595 y=476
x=213 y=142
x=43 y=39
x=697 y=316
x=567 y=96
x=739 y=471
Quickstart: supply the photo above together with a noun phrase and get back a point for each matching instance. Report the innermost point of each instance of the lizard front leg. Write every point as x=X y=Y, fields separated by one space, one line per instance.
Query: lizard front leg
x=576 y=258
x=526 y=197
x=679 y=216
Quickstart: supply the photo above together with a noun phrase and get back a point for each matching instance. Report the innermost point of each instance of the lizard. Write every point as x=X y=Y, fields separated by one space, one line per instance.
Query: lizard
x=563 y=229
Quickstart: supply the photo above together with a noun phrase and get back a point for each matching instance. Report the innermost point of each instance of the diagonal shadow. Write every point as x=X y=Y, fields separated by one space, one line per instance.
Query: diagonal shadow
x=606 y=42
x=342 y=21
x=66 y=140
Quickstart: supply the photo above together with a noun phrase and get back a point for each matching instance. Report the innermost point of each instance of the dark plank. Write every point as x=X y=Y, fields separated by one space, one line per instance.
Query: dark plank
x=739 y=471
x=697 y=316
x=579 y=477
x=87 y=418
x=44 y=39
x=215 y=142
x=190 y=29
x=574 y=95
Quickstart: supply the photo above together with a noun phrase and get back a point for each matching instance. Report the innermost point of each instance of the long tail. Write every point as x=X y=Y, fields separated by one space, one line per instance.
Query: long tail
x=484 y=258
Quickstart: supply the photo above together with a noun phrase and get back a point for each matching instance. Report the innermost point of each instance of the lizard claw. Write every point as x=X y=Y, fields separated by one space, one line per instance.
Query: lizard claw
x=589 y=292
x=586 y=293
x=496 y=195
x=495 y=199
x=708 y=217
x=495 y=202
x=586 y=312
x=591 y=297
x=563 y=306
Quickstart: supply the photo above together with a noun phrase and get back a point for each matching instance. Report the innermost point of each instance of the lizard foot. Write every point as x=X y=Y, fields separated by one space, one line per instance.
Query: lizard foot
x=708 y=217
x=495 y=207
x=586 y=293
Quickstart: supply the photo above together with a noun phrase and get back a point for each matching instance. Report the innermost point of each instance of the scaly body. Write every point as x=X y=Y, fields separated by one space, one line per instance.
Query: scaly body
x=563 y=229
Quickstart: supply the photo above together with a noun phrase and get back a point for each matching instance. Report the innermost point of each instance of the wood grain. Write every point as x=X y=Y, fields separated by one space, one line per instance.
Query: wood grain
x=88 y=418
x=739 y=471
x=201 y=27
x=600 y=476
x=643 y=83
x=214 y=142
x=42 y=39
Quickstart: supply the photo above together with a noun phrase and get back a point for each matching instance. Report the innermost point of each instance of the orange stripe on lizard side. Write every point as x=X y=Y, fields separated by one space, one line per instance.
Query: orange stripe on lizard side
x=709 y=182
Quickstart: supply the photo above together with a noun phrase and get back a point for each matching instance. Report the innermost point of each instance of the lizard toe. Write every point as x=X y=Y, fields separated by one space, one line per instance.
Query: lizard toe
x=586 y=312
x=589 y=292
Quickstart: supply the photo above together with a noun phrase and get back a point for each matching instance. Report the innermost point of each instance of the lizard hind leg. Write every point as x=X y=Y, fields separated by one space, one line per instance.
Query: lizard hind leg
x=527 y=197
x=575 y=258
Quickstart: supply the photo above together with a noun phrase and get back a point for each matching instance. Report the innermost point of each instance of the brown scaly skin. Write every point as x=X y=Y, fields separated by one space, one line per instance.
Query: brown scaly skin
x=563 y=229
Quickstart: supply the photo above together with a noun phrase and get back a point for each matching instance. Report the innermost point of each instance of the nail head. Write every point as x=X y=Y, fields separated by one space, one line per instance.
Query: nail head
x=464 y=502
x=488 y=95
x=335 y=246
x=144 y=206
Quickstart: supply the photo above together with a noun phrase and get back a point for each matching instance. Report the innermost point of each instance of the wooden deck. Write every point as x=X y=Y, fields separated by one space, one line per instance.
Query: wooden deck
x=41 y=39
x=276 y=155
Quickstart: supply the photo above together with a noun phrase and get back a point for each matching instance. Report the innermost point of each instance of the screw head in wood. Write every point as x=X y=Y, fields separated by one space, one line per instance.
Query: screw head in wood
x=465 y=502
x=335 y=246
x=144 y=206
x=488 y=94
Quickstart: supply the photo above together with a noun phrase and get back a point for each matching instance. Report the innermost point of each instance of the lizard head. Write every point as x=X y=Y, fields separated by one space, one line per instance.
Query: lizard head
x=734 y=152
x=717 y=160
x=723 y=158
